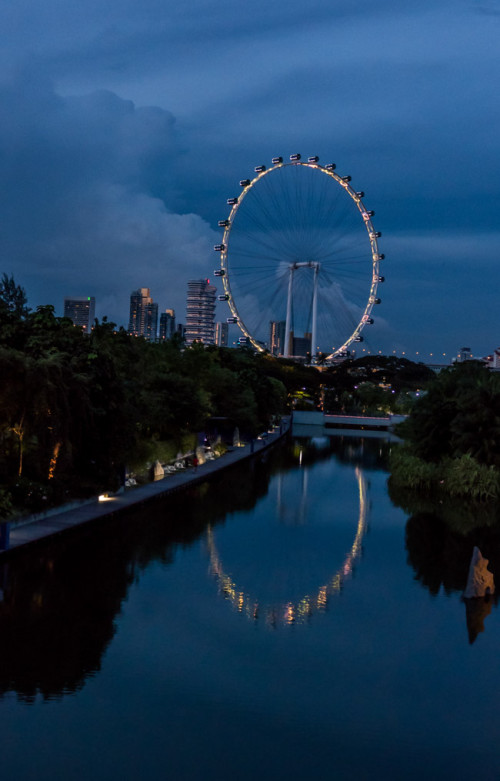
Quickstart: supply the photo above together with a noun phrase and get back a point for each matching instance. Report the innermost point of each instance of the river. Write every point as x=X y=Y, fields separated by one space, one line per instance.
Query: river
x=284 y=621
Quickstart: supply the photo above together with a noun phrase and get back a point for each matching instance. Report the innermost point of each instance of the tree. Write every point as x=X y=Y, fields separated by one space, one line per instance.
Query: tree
x=459 y=414
x=13 y=300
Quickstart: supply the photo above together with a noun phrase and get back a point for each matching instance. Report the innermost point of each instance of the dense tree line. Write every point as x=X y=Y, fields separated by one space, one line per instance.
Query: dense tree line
x=374 y=385
x=76 y=408
x=452 y=436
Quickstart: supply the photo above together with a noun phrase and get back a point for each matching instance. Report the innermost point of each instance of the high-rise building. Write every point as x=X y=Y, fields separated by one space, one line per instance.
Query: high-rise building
x=221 y=334
x=143 y=314
x=200 y=312
x=81 y=310
x=301 y=345
x=167 y=324
x=276 y=337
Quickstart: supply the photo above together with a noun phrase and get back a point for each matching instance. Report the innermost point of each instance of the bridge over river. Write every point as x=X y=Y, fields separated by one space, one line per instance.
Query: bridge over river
x=339 y=422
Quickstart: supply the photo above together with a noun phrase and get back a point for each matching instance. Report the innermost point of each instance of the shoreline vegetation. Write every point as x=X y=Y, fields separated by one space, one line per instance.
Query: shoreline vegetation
x=81 y=412
x=450 y=457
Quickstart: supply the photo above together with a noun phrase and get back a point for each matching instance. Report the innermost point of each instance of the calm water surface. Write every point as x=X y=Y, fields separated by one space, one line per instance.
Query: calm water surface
x=285 y=621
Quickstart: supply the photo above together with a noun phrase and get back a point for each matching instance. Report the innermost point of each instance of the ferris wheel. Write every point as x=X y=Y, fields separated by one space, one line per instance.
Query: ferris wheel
x=299 y=260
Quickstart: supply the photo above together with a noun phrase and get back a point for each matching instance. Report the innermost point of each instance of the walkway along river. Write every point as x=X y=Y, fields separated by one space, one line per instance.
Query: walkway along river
x=39 y=527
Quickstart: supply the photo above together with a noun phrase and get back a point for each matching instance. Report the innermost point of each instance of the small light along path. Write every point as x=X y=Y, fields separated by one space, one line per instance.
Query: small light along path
x=27 y=531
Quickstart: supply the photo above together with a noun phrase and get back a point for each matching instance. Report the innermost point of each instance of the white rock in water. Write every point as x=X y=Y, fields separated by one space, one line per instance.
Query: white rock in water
x=480 y=582
x=158 y=471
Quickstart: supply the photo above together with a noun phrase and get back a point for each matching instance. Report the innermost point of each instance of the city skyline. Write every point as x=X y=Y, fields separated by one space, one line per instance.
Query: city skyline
x=121 y=154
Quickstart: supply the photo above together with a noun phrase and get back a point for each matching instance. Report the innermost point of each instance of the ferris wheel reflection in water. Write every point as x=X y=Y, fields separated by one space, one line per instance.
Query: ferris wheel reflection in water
x=293 y=611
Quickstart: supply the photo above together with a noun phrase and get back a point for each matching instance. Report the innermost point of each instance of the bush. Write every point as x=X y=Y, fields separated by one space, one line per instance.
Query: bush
x=6 y=506
x=465 y=477
x=409 y=471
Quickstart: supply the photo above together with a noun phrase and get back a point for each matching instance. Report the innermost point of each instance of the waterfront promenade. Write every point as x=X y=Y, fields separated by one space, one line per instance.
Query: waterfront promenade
x=39 y=527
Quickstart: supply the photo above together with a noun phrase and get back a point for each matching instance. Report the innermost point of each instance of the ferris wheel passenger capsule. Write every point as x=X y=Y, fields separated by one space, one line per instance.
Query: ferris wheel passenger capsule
x=314 y=159
x=244 y=182
x=380 y=279
x=232 y=319
x=223 y=297
x=259 y=169
x=381 y=256
x=277 y=160
x=330 y=167
x=346 y=178
x=223 y=223
x=219 y=272
x=232 y=201
x=359 y=339
x=360 y=194
x=219 y=247
x=295 y=157
x=375 y=234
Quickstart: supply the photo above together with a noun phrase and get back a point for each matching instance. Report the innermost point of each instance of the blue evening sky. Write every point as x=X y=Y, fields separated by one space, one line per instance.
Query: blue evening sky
x=124 y=126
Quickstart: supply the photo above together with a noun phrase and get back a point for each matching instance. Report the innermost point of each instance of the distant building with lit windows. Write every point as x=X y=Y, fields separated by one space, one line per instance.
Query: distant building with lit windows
x=167 y=324
x=200 y=312
x=221 y=334
x=300 y=345
x=81 y=310
x=143 y=319
x=276 y=337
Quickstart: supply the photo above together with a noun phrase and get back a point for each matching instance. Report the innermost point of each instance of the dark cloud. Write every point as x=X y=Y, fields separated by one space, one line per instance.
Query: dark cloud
x=491 y=8
x=101 y=192
x=89 y=186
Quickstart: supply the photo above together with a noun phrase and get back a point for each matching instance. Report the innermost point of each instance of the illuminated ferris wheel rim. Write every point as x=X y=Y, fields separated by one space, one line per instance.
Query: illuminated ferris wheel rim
x=366 y=215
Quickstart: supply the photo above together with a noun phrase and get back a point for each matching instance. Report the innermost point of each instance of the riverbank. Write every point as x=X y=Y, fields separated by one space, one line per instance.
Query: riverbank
x=29 y=531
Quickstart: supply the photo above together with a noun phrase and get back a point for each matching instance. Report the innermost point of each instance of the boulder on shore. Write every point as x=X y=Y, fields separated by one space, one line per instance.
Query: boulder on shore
x=200 y=455
x=480 y=582
x=158 y=471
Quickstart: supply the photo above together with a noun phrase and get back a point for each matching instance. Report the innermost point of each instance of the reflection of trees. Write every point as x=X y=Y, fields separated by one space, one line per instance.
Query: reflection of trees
x=458 y=514
x=441 y=556
x=59 y=600
x=56 y=617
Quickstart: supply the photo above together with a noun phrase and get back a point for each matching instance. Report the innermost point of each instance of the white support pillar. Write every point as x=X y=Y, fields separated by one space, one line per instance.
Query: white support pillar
x=288 y=322
x=314 y=337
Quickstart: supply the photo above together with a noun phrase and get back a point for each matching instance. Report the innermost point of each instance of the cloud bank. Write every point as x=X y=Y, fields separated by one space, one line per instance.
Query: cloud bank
x=89 y=199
